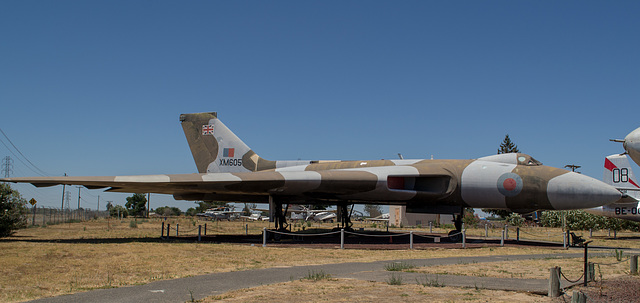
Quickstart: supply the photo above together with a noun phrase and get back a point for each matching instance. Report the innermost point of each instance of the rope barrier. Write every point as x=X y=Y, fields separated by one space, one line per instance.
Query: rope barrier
x=303 y=235
x=381 y=236
x=570 y=281
x=614 y=263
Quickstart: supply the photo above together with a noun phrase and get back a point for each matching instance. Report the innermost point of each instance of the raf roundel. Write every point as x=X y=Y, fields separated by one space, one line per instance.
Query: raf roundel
x=509 y=184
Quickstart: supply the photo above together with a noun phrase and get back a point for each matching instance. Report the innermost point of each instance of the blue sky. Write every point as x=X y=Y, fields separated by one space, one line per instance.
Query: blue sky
x=96 y=87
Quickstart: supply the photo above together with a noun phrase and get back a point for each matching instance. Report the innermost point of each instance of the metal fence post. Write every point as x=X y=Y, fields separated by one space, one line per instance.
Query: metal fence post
x=264 y=237
x=564 y=240
x=246 y=229
x=517 y=234
x=486 y=230
x=205 y=229
x=411 y=240
x=502 y=239
x=430 y=227
x=199 y=230
x=506 y=231
x=162 y=233
x=342 y=238
x=168 y=230
x=464 y=238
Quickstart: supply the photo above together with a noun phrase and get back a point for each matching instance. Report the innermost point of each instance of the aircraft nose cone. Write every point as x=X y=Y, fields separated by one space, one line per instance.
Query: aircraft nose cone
x=576 y=191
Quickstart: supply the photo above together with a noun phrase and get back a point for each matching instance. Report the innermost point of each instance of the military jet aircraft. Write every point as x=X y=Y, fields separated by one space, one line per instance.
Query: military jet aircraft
x=230 y=171
x=631 y=144
x=618 y=173
x=221 y=213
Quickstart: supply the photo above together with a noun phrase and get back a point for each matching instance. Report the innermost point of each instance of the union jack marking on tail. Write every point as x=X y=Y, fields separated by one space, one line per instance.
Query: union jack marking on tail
x=207 y=129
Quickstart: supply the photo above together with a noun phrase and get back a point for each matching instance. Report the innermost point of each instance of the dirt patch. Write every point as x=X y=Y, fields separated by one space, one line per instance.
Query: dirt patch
x=347 y=290
x=618 y=289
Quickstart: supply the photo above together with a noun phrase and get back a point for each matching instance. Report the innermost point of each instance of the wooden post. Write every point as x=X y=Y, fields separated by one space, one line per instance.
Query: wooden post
x=633 y=265
x=161 y=234
x=554 y=282
x=578 y=297
x=205 y=229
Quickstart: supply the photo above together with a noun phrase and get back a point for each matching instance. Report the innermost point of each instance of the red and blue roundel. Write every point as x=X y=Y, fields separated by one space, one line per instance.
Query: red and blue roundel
x=509 y=184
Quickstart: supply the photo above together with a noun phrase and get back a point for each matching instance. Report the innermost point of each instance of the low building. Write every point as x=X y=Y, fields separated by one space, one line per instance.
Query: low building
x=398 y=216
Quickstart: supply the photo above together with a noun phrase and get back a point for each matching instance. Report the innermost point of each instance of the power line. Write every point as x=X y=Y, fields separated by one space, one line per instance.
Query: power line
x=25 y=157
x=25 y=164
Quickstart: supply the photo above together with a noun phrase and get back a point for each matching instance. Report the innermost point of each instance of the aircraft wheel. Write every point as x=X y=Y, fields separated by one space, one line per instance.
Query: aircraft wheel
x=455 y=236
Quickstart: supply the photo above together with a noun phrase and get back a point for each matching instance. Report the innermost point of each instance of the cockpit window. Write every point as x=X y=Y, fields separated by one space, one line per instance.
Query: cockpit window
x=528 y=160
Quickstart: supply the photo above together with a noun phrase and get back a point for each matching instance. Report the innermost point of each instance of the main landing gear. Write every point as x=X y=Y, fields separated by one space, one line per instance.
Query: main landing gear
x=456 y=235
x=345 y=216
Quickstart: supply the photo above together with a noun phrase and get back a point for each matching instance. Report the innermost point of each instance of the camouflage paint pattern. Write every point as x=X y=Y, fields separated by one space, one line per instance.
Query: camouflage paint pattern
x=230 y=171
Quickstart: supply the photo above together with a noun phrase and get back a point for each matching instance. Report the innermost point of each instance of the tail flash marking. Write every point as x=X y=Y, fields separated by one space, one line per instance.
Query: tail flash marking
x=617 y=174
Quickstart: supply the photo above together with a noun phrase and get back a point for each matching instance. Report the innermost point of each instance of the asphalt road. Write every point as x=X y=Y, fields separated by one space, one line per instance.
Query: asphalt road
x=199 y=287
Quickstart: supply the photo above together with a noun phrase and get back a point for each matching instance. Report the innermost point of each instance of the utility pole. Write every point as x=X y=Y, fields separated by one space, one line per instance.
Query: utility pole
x=148 y=203
x=79 y=187
x=98 y=208
x=7 y=163
x=63 y=187
x=67 y=198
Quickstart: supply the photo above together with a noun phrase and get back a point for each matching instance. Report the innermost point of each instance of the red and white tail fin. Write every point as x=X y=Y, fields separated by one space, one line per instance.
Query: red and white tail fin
x=618 y=173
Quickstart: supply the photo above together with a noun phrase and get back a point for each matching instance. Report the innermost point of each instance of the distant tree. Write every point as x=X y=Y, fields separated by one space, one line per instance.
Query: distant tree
x=13 y=210
x=109 y=206
x=136 y=204
x=168 y=211
x=507 y=146
x=118 y=210
x=470 y=219
x=373 y=210
x=190 y=212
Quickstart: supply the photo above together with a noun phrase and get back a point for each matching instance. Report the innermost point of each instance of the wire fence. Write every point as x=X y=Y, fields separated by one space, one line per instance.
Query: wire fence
x=42 y=216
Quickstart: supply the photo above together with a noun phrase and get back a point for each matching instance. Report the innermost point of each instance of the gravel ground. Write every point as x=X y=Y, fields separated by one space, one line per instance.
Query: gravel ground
x=618 y=289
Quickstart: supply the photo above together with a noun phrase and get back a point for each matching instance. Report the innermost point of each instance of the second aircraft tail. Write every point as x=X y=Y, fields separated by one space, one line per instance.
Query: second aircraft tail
x=618 y=173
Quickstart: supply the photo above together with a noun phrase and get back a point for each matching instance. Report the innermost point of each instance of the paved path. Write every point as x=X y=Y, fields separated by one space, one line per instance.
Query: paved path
x=199 y=287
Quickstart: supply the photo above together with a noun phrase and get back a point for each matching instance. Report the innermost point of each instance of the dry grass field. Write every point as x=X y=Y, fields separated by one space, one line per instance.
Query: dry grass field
x=67 y=258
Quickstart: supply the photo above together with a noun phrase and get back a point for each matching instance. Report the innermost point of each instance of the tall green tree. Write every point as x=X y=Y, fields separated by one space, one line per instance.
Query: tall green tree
x=507 y=146
x=136 y=205
x=13 y=210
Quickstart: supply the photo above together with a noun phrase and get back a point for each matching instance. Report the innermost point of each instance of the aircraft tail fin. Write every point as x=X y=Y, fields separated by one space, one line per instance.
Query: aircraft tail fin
x=215 y=148
x=618 y=173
